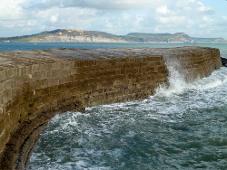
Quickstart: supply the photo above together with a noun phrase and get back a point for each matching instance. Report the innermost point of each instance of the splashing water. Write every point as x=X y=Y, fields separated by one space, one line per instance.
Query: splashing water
x=183 y=126
x=177 y=82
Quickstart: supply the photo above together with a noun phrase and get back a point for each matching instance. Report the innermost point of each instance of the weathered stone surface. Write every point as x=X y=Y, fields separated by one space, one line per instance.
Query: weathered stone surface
x=35 y=85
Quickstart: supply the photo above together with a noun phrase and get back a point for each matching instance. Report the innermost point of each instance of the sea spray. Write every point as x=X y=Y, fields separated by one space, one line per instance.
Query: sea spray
x=176 y=80
x=174 y=129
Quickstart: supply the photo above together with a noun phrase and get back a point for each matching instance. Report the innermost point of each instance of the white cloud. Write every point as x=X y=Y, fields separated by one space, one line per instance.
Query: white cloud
x=95 y=4
x=163 y=10
x=11 y=9
x=115 y=16
x=53 y=18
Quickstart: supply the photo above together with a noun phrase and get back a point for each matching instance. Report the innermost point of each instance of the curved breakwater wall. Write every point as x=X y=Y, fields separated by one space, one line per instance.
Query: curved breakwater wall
x=35 y=85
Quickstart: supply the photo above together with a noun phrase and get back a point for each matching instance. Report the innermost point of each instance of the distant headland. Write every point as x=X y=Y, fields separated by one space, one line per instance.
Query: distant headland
x=68 y=35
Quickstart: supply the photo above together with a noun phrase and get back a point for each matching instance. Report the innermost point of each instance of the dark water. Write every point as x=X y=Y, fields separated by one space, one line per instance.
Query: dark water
x=180 y=127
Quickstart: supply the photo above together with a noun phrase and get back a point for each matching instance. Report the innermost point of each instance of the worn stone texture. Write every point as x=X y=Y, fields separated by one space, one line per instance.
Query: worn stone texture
x=35 y=85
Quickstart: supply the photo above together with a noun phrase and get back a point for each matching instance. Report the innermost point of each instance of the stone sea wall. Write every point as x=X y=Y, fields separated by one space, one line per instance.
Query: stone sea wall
x=35 y=85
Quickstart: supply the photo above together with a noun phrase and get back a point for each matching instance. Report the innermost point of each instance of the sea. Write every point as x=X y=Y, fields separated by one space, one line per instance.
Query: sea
x=182 y=126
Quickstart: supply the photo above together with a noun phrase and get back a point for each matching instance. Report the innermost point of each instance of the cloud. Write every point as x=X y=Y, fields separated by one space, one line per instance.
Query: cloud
x=11 y=9
x=94 y=4
x=114 y=16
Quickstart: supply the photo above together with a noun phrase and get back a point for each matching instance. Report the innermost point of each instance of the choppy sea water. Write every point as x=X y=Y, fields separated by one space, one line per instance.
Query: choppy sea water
x=180 y=127
x=183 y=126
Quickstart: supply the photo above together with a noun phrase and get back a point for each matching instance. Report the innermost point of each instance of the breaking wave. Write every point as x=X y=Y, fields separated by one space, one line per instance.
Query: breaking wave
x=182 y=126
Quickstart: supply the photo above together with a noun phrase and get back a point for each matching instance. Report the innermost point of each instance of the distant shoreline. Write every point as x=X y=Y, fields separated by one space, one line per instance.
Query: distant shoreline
x=76 y=36
x=58 y=42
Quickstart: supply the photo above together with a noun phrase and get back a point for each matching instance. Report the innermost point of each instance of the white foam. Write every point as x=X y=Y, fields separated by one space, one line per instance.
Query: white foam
x=169 y=104
x=178 y=85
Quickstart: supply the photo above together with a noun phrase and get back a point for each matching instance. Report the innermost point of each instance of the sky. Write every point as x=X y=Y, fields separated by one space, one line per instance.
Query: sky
x=200 y=18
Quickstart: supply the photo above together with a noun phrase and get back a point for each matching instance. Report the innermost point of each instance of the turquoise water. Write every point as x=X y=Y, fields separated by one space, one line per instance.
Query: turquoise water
x=183 y=126
x=37 y=46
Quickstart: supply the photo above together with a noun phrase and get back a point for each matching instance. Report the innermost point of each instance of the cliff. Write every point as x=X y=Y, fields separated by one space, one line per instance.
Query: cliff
x=63 y=35
x=35 y=85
